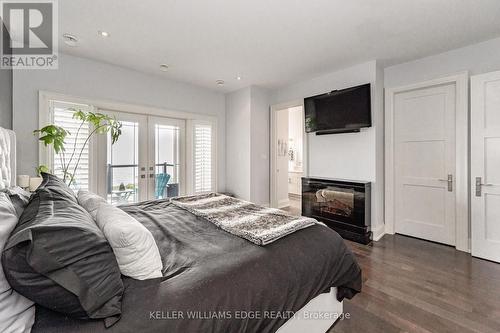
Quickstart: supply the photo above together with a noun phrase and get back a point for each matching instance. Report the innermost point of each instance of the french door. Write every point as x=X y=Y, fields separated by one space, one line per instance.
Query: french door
x=147 y=162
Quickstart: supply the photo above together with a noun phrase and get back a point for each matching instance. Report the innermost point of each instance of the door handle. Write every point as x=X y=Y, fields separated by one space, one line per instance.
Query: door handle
x=449 y=180
x=479 y=186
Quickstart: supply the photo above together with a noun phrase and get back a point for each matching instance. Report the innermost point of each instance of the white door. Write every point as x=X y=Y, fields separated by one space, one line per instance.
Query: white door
x=424 y=127
x=485 y=166
x=125 y=162
x=147 y=162
x=166 y=173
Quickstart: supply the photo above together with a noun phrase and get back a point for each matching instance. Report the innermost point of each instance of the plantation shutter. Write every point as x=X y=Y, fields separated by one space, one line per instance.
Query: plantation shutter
x=203 y=148
x=63 y=117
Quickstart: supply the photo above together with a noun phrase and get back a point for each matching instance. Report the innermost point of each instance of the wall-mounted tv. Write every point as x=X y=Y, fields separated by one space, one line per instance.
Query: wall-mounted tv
x=339 y=111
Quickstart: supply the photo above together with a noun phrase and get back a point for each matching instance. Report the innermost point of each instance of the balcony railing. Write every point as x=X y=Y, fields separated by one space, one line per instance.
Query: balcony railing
x=111 y=167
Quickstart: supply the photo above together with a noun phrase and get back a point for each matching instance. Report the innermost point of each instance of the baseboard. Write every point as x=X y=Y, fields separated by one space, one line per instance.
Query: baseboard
x=378 y=232
x=283 y=203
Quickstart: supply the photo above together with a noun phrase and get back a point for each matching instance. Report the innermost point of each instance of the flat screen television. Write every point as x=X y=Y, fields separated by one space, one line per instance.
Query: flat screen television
x=339 y=111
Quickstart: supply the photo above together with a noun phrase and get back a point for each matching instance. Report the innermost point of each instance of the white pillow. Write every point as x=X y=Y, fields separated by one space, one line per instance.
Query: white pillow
x=17 y=313
x=19 y=198
x=134 y=246
x=90 y=202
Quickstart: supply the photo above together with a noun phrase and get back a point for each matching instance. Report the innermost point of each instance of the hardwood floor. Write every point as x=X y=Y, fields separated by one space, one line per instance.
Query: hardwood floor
x=411 y=285
x=295 y=205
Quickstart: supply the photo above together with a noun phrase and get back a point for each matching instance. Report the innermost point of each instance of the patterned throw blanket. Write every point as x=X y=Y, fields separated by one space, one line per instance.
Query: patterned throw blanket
x=255 y=223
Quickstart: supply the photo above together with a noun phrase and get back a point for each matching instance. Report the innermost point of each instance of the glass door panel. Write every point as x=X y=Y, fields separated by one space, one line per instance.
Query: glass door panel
x=126 y=160
x=167 y=151
x=123 y=165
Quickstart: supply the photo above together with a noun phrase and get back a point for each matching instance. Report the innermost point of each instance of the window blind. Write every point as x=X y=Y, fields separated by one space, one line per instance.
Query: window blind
x=203 y=158
x=63 y=117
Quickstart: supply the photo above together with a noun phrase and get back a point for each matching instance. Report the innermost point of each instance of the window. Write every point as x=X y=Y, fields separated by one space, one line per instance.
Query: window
x=203 y=158
x=174 y=148
x=62 y=116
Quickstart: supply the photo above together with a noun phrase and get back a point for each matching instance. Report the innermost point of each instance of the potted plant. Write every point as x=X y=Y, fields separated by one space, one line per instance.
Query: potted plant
x=34 y=182
x=69 y=157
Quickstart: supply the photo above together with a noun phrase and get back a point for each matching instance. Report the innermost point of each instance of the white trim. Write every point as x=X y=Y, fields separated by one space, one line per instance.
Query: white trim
x=378 y=232
x=272 y=149
x=44 y=96
x=283 y=203
x=462 y=237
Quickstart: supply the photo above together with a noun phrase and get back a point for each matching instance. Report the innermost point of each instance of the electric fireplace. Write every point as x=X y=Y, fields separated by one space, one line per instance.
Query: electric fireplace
x=343 y=205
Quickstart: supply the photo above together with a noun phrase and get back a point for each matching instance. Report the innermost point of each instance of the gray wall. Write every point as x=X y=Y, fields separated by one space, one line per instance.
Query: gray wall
x=477 y=58
x=238 y=143
x=5 y=93
x=247 y=144
x=6 y=98
x=357 y=149
x=95 y=80
x=356 y=156
x=259 y=146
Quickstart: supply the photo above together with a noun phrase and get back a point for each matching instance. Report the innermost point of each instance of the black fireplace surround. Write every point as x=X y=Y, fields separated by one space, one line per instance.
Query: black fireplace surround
x=343 y=205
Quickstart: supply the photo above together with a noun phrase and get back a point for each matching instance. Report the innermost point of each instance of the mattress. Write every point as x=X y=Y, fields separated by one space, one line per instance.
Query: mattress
x=216 y=282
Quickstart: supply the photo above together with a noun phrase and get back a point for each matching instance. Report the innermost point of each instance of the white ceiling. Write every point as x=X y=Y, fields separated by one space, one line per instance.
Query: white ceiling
x=270 y=42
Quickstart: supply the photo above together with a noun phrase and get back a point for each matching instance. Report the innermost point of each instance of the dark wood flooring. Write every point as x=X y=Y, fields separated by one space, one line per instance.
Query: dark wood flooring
x=411 y=285
x=295 y=205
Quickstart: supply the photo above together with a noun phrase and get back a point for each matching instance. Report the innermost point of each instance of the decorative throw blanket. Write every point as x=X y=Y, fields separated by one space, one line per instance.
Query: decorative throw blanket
x=255 y=223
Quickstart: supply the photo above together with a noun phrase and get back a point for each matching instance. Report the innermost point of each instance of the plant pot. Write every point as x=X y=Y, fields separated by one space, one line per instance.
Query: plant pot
x=34 y=183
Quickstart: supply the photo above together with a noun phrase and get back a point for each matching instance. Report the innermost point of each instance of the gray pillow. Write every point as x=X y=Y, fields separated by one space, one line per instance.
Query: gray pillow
x=57 y=257
x=19 y=198
x=17 y=313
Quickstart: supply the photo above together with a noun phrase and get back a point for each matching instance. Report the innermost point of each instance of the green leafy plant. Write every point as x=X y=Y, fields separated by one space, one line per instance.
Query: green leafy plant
x=40 y=169
x=56 y=136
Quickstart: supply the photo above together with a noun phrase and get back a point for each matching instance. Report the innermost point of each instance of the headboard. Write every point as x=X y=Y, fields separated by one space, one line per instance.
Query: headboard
x=7 y=158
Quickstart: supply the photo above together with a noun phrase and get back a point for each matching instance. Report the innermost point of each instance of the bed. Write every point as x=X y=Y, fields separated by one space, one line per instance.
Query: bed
x=214 y=281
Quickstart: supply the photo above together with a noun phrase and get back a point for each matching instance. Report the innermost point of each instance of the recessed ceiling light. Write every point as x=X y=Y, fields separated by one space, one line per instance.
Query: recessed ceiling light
x=103 y=33
x=70 y=40
x=238 y=78
x=164 y=67
x=219 y=82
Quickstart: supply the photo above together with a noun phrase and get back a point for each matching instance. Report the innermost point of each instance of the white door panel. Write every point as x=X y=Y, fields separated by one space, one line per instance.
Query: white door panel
x=485 y=166
x=125 y=162
x=166 y=156
x=424 y=159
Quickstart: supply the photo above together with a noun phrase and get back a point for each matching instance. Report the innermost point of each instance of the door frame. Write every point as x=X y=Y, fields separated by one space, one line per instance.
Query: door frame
x=462 y=200
x=272 y=149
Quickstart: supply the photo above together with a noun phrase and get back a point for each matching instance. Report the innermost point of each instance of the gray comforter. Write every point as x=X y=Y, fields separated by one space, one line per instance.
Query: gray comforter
x=215 y=277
